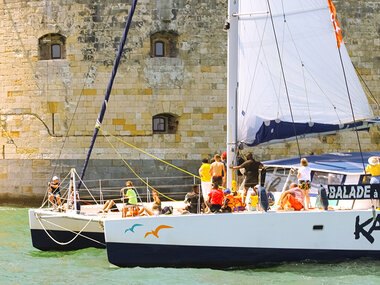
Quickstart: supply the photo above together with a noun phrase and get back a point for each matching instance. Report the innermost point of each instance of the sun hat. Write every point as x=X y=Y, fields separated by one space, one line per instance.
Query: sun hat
x=373 y=160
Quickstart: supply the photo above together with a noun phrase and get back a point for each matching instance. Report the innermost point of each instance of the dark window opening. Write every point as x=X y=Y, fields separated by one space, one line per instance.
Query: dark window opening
x=164 y=124
x=52 y=46
x=159 y=124
x=164 y=44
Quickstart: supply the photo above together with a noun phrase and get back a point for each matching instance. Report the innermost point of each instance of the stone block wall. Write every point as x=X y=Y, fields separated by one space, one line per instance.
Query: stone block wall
x=48 y=108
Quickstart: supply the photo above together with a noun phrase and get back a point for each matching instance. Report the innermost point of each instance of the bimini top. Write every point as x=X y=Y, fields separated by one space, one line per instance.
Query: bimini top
x=347 y=162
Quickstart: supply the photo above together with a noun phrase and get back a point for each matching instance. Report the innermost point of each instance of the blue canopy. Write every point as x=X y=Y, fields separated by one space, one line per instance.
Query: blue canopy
x=346 y=162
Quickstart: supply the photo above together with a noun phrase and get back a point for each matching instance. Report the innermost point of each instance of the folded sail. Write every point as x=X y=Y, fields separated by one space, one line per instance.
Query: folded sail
x=311 y=66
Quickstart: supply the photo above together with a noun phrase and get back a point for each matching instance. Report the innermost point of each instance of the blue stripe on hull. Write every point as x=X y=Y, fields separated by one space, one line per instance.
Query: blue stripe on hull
x=151 y=255
x=42 y=241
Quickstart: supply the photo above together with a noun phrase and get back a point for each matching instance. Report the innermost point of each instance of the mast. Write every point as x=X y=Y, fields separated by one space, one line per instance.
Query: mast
x=109 y=88
x=232 y=86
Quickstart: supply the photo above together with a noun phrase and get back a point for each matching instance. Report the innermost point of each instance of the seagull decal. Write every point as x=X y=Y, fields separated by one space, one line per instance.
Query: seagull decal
x=155 y=232
x=132 y=229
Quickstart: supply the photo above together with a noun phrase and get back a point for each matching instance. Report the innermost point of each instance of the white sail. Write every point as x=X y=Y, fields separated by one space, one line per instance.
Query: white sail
x=311 y=67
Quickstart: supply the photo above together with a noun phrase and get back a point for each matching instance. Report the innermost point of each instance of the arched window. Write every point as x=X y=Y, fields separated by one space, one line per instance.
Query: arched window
x=52 y=46
x=164 y=44
x=164 y=124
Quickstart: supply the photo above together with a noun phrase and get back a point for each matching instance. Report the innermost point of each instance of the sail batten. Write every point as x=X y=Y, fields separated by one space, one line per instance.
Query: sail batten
x=311 y=64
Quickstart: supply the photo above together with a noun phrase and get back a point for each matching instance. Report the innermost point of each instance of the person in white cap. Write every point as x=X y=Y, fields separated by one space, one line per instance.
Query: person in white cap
x=373 y=168
x=55 y=191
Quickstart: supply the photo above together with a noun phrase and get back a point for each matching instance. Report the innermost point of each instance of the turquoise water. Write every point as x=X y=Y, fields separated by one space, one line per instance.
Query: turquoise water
x=20 y=263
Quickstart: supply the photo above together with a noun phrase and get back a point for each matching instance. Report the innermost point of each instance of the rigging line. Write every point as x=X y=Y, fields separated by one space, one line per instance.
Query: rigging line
x=352 y=108
x=151 y=155
x=327 y=97
x=283 y=76
x=365 y=84
x=257 y=62
x=131 y=169
x=102 y=111
x=303 y=68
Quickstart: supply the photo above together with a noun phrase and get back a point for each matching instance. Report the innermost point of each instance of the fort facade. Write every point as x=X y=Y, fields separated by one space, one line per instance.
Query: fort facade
x=169 y=96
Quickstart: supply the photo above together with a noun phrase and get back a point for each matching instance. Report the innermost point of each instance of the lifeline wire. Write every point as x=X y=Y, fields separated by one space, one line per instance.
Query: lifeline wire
x=130 y=168
x=151 y=155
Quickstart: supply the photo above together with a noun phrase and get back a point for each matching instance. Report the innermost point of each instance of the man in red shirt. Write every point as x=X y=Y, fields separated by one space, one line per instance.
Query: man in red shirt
x=215 y=198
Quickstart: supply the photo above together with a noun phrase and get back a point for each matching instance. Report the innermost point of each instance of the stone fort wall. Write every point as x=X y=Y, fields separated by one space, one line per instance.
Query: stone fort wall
x=49 y=107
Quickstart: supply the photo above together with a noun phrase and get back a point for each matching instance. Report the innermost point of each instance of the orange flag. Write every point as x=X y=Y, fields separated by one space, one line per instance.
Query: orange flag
x=338 y=30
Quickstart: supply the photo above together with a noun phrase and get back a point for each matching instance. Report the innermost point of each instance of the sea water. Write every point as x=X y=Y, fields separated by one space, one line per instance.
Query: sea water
x=20 y=263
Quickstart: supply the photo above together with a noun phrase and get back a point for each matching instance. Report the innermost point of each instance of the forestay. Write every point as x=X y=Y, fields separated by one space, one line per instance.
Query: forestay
x=311 y=67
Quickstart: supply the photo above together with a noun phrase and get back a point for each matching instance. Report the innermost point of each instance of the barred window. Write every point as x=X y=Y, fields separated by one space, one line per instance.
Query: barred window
x=164 y=124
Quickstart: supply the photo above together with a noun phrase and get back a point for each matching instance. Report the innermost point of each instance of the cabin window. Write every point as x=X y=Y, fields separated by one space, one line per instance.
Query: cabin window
x=164 y=124
x=164 y=44
x=52 y=46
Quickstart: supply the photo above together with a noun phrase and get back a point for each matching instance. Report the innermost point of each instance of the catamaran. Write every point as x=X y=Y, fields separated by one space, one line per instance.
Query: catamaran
x=279 y=89
x=289 y=77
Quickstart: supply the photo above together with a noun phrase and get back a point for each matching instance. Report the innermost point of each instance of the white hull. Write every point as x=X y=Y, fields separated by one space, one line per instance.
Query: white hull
x=249 y=238
x=65 y=231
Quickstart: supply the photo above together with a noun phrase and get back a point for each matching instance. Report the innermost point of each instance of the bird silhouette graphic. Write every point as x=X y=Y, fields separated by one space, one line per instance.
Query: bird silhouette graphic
x=155 y=232
x=132 y=229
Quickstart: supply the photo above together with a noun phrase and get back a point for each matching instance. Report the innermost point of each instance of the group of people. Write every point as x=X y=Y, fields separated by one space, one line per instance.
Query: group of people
x=216 y=198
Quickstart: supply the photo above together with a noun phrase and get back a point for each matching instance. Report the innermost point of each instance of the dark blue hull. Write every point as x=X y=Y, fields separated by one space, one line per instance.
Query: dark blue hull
x=150 y=255
x=42 y=241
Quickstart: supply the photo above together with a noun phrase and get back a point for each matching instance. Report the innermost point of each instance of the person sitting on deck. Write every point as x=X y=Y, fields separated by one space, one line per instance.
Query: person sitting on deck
x=292 y=199
x=215 y=200
x=228 y=202
x=55 y=192
x=130 y=199
x=373 y=168
x=252 y=198
x=156 y=206
x=110 y=205
x=239 y=204
x=196 y=201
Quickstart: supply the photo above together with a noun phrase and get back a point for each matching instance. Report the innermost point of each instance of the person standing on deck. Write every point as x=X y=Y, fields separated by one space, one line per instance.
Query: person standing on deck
x=217 y=171
x=204 y=173
x=304 y=180
x=373 y=168
x=224 y=161
x=251 y=167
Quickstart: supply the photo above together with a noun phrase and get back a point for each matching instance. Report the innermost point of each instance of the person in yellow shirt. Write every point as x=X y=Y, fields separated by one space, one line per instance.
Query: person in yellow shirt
x=204 y=173
x=373 y=168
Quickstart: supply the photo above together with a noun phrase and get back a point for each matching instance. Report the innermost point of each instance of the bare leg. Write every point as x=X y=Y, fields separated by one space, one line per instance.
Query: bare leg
x=307 y=199
x=108 y=205
x=58 y=200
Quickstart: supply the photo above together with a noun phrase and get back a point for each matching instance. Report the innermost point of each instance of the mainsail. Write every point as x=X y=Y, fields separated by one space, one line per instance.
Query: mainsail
x=290 y=76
